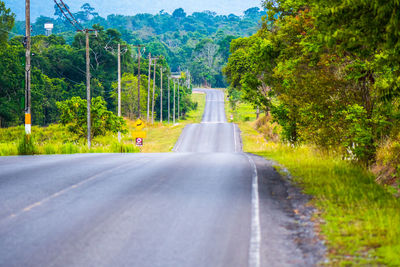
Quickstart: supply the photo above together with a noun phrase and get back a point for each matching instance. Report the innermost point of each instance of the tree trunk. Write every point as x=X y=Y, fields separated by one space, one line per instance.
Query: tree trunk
x=258 y=112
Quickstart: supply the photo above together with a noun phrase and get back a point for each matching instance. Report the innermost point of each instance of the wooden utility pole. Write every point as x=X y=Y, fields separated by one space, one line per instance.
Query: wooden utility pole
x=174 y=101
x=161 y=95
x=169 y=115
x=154 y=89
x=28 y=118
x=88 y=99
x=178 y=103
x=88 y=90
x=148 y=89
x=190 y=81
x=119 y=87
x=138 y=92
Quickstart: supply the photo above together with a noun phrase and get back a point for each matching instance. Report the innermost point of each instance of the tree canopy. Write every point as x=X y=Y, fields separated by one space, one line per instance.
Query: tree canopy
x=327 y=71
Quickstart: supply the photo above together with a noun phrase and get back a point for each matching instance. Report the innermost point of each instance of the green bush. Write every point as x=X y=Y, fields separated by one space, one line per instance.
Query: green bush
x=69 y=148
x=387 y=167
x=26 y=146
x=74 y=115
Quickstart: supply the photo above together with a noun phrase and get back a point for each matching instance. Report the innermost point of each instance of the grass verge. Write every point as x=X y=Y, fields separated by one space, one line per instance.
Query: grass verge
x=55 y=139
x=358 y=219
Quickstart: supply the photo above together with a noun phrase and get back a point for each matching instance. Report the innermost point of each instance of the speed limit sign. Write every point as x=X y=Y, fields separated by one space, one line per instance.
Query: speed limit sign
x=139 y=141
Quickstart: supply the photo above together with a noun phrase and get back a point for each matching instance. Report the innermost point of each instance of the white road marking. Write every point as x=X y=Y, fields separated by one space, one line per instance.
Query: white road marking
x=62 y=192
x=255 y=240
x=180 y=139
x=234 y=135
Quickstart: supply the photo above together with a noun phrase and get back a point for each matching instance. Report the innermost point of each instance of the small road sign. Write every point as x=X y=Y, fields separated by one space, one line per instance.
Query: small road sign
x=139 y=124
x=139 y=141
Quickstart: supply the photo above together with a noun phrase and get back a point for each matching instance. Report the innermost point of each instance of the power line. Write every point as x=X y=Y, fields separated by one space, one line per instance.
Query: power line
x=72 y=16
x=10 y=32
x=62 y=11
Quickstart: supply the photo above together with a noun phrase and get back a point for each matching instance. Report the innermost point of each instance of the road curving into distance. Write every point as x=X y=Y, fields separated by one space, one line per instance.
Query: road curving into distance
x=208 y=205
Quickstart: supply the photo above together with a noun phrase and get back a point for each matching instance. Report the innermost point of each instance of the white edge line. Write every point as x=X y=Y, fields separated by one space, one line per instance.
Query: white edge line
x=255 y=240
x=180 y=140
x=234 y=136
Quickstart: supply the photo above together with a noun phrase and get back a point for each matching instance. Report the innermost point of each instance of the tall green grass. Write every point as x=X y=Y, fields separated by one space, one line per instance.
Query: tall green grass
x=360 y=219
x=55 y=139
x=26 y=145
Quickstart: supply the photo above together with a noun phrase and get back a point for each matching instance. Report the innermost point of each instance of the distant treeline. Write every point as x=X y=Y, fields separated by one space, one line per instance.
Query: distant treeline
x=197 y=42
x=58 y=74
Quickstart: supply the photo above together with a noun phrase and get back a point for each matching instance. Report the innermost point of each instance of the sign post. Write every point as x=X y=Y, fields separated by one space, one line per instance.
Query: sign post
x=139 y=135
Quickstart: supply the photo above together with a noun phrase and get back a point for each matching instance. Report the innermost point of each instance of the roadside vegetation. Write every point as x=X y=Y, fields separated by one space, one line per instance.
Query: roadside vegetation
x=358 y=219
x=328 y=73
x=59 y=139
x=325 y=76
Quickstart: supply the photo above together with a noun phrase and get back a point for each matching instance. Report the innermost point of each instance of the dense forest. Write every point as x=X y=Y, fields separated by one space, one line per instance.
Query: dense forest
x=198 y=43
x=328 y=73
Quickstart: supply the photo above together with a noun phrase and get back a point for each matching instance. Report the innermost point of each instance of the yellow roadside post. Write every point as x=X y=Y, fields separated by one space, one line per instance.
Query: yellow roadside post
x=139 y=135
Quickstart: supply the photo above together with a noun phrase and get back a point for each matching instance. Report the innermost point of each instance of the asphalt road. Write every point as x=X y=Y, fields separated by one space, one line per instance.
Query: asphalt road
x=213 y=134
x=219 y=207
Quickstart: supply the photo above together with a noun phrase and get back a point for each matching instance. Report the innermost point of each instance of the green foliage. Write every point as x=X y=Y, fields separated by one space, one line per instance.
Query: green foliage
x=326 y=71
x=387 y=167
x=55 y=139
x=359 y=133
x=174 y=36
x=27 y=146
x=359 y=219
x=11 y=84
x=74 y=115
x=281 y=115
x=6 y=22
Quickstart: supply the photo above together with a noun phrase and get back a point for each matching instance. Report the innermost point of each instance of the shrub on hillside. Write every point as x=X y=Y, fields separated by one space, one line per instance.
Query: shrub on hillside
x=269 y=129
x=387 y=167
x=74 y=115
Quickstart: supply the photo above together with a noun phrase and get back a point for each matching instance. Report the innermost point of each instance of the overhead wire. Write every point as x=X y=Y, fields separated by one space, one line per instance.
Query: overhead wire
x=3 y=30
x=78 y=26
x=62 y=11
x=72 y=16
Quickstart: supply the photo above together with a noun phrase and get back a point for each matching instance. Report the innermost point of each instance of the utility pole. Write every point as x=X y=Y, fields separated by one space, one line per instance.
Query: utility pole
x=161 y=95
x=88 y=99
x=154 y=88
x=174 y=101
x=148 y=89
x=189 y=81
x=119 y=53
x=88 y=90
x=119 y=87
x=138 y=92
x=178 y=103
x=28 y=118
x=169 y=115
